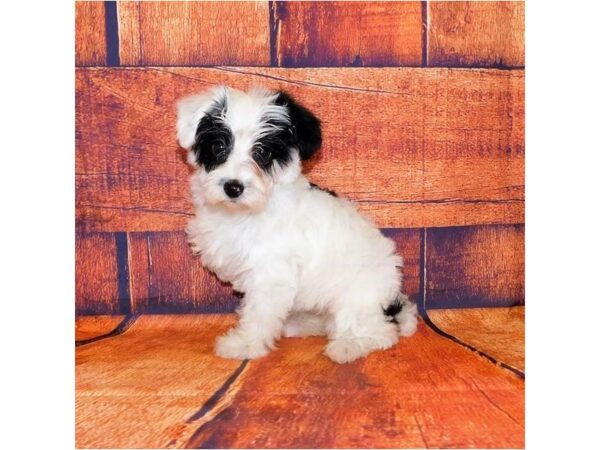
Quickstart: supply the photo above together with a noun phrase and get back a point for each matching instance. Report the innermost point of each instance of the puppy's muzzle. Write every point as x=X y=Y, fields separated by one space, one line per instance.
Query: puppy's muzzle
x=233 y=188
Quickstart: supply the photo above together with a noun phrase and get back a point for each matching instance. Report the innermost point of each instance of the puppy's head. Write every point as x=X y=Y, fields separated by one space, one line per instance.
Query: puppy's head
x=244 y=143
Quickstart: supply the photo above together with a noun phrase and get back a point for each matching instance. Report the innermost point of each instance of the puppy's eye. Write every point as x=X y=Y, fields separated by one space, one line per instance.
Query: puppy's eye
x=218 y=148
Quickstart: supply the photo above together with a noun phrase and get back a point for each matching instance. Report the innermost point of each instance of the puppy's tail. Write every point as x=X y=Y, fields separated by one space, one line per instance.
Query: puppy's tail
x=403 y=313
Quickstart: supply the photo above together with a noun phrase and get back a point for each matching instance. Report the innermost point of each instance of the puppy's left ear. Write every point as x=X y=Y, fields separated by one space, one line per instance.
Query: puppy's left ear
x=305 y=126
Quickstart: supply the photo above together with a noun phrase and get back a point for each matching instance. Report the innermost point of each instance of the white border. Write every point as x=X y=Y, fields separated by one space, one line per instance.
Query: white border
x=562 y=229
x=37 y=185
x=562 y=225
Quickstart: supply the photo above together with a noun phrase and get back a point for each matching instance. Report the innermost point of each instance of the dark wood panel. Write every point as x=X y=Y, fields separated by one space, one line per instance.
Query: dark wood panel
x=348 y=34
x=130 y=39
x=139 y=269
x=475 y=266
x=408 y=245
x=195 y=33
x=96 y=275
x=90 y=34
x=414 y=147
x=168 y=278
x=476 y=34
x=466 y=267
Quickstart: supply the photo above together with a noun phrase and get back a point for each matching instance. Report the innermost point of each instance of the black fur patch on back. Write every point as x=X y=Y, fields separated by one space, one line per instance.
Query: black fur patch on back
x=393 y=310
x=329 y=191
x=214 y=139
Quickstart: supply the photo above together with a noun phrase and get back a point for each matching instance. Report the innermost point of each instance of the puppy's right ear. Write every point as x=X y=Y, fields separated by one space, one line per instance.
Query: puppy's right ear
x=190 y=111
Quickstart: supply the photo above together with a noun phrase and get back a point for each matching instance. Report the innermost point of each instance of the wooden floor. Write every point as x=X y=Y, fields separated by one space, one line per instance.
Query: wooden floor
x=90 y=327
x=498 y=332
x=155 y=383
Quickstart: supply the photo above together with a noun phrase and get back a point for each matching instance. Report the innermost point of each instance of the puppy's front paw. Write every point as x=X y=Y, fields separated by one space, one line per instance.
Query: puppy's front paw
x=236 y=345
x=345 y=350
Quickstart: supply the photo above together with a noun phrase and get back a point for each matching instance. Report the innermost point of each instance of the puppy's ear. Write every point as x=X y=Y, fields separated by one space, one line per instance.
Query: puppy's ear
x=305 y=126
x=190 y=111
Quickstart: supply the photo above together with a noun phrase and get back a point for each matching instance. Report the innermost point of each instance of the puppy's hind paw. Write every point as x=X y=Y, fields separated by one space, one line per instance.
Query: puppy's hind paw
x=236 y=345
x=347 y=349
x=407 y=320
x=344 y=351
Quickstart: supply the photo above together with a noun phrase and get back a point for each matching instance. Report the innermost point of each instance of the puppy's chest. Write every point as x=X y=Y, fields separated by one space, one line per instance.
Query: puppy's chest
x=230 y=248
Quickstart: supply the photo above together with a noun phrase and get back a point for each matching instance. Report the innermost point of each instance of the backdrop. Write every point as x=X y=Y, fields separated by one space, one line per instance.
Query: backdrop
x=422 y=105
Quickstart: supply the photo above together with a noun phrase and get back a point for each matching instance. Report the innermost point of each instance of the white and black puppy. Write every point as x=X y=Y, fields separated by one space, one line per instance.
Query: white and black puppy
x=307 y=261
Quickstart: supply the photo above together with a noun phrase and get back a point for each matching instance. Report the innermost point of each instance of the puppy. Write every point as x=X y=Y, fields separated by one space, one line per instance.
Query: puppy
x=308 y=263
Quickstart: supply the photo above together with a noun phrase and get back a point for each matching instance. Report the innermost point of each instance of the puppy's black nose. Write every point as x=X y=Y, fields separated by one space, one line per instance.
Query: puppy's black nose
x=233 y=188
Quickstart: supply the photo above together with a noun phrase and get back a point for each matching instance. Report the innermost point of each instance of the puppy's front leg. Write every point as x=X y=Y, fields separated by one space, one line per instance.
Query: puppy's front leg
x=262 y=316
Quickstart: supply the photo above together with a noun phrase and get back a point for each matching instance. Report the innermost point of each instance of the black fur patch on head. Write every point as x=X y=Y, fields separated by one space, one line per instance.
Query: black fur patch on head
x=274 y=146
x=304 y=132
x=214 y=139
x=329 y=191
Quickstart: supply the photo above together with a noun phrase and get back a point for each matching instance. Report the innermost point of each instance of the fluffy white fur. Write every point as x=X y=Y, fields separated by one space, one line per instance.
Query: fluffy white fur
x=308 y=262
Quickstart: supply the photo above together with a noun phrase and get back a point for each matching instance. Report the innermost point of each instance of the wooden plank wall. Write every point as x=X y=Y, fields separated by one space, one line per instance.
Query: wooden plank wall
x=422 y=106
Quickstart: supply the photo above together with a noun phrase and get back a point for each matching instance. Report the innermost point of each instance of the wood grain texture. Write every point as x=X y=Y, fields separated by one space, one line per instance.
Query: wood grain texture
x=90 y=34
x=499 y=332
x=96 y=277
x=475 y=266
x=138 y=389
x=312 y=34
x=87 y=327
x=413 y=147
x=168 y=278
x=195 y=33
x=150 y=388
x=476 y=34
x=130 y=38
